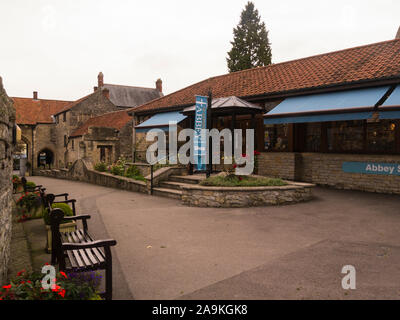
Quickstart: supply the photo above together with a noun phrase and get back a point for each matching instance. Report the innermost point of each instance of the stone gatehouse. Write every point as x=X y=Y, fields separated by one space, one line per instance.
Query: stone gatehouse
x=55 y=133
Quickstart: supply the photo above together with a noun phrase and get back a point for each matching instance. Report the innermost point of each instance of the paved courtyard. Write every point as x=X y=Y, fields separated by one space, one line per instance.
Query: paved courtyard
x=168 y=251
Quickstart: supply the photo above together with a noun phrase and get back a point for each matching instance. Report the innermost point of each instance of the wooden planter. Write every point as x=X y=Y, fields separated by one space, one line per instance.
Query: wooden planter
x=65 y=227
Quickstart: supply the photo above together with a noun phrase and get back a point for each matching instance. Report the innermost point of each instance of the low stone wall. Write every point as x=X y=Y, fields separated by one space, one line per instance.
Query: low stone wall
x=231 y=197
x=326 y=169
x=82 y=170
x=277 y=165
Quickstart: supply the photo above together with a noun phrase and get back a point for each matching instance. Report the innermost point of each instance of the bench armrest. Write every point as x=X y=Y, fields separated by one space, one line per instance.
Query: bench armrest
x=88 y=245
x=79 y=217
x=82 y=217
x=65 y=195
x=65 y=201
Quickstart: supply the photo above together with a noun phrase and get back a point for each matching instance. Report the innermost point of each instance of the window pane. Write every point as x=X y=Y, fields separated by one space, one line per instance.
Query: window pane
x=381 y=136
x=346 y=136
x=276 y=137
x=313 y=137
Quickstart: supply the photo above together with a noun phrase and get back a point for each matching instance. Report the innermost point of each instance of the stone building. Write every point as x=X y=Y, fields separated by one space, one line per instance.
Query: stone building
x=47 y=125
x=326 y=119
x=7 y=120
x=103 y=138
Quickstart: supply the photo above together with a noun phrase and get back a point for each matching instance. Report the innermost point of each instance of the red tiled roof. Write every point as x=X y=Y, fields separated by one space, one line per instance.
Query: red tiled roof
x=376 y=61
x=116 y=120
x=30 y=111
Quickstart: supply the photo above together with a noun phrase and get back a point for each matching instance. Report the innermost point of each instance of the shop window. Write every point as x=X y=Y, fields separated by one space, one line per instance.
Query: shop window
x=381 y=137
x=313 y=137
x=345 y=136
x=276 y=137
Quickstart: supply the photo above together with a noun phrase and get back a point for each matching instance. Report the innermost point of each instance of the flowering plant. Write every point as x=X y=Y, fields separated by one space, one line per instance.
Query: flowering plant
x=28 y=205
x=28 y=286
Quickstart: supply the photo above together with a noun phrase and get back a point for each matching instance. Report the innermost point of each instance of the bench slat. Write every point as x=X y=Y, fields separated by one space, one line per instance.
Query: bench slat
x=99 y=254
x=88 y=252
x=75 y=252
x=81 y=251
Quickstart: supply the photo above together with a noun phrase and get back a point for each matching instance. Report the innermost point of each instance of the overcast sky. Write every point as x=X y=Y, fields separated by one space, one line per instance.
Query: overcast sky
x=58 y=47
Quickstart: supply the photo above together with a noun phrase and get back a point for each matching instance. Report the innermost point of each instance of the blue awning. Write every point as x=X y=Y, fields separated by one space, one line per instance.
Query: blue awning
x=160 y=121
x=333 y=106
x=320 y=118
x=394 y=98
x=395 y=114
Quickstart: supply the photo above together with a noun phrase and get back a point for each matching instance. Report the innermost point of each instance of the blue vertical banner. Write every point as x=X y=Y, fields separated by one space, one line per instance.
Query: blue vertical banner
x=200 y=138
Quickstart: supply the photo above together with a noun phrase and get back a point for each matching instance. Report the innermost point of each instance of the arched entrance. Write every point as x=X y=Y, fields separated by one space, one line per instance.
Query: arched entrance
x=45 y=158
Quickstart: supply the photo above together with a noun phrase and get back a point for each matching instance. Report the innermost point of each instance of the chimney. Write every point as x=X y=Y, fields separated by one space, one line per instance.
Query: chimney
x=159 y=85
x=398 y=34
x=106 y=93
x=100 y=80
x=35 y=95
x=94 y=89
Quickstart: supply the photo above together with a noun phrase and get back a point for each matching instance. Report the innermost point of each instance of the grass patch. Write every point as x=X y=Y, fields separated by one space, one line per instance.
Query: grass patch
x=242 y=181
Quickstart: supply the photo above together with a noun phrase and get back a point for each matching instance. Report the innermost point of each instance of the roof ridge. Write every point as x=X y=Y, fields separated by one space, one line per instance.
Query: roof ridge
x=42 y=99
x=154 y=100
x=305 y=58
x=107 y=113
x=122 y=85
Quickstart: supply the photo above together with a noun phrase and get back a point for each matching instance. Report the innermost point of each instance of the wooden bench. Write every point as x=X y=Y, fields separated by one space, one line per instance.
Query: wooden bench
x=77 y=251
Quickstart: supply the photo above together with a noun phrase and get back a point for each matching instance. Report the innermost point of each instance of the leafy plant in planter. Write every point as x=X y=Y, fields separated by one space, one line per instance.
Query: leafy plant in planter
x=17 y=184
x=65 y=226
x=63 y=206
x=29 y=206
x=28 y=286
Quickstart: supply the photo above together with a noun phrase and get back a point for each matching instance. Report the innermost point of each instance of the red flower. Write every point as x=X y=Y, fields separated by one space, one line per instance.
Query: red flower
x=244 y=155
x=235 y=166
x=7 y=287
x=62 y=293
x=21 y=272
x=63 y=274
x=256 y=153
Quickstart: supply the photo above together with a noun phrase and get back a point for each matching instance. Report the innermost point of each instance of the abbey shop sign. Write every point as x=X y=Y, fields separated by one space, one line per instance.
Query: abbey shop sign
x=389 y=169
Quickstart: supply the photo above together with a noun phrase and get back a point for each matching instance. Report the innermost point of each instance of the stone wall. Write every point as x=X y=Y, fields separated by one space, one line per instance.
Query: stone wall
x=230 y=197
x=82 y=170
x=326 y=169
x=277 y=165
x=7 y=119
x=94 y=105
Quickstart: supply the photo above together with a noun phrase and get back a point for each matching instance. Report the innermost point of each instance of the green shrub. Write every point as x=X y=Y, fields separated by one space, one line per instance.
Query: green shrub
x=63 y=206
x=100 y=166
x=30 y=184
x=132 y=171
x=241 y=181
x=117 y=170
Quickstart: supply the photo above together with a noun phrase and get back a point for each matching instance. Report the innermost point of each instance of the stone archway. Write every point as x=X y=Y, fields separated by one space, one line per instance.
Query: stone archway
x=45 y=158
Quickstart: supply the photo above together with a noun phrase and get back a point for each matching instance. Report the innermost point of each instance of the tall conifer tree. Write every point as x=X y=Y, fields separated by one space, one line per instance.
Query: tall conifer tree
x=250 y=45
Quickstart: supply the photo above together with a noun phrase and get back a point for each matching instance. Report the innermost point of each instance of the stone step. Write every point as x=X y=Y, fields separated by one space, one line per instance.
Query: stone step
x=167 y=192
x=194 y=179
x=173 y=184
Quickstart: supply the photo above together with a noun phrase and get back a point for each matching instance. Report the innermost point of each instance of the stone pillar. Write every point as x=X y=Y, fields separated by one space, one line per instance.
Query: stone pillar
x=7 y=121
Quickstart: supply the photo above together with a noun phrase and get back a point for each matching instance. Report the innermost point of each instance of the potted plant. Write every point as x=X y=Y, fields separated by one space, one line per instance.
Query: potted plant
x=29 y=206
x=64 y=227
